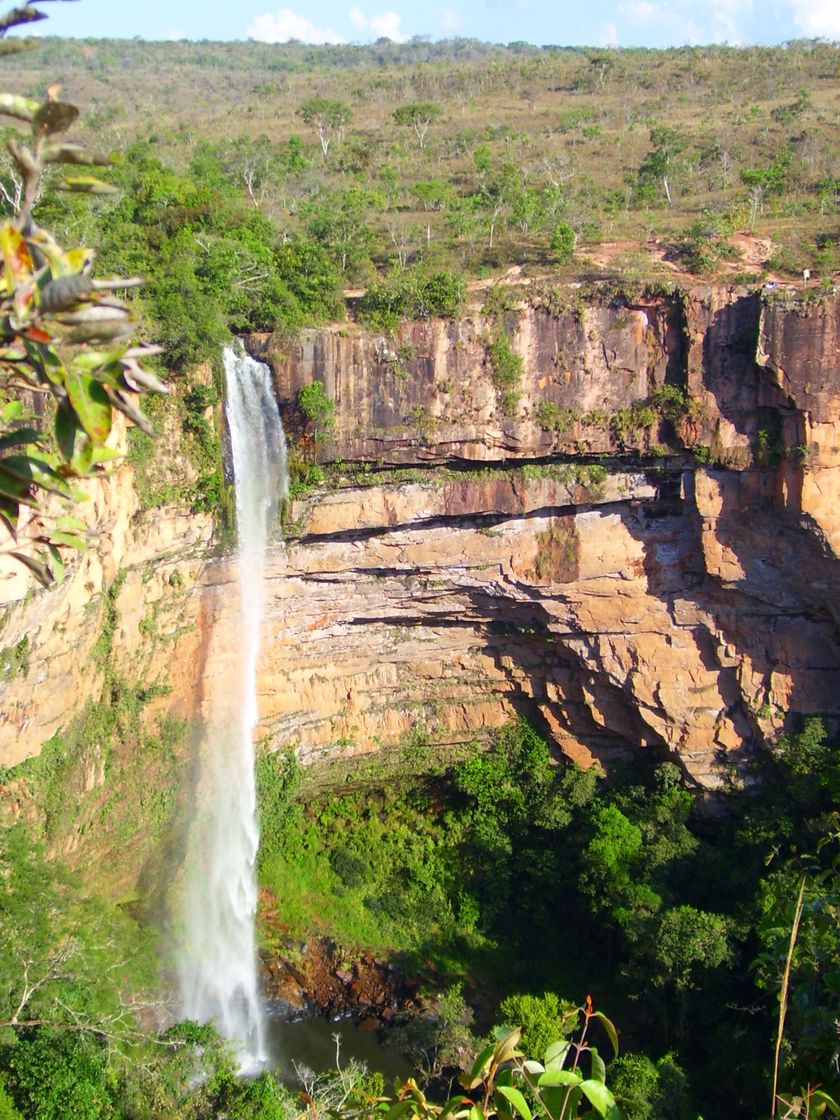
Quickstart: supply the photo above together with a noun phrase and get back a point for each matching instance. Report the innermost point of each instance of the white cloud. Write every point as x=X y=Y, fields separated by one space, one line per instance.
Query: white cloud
x=450 y=20
x=639 y=11
x=383 y=25
x=818 y=18
x=285 y=25
x=174 y=33
x=718 y=22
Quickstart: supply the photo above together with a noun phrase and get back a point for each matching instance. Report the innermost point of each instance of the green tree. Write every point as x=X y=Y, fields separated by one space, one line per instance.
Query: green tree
x=419 y=115
x=563 y=242
x=327 y=117
x=661 y=163
x=338 y=220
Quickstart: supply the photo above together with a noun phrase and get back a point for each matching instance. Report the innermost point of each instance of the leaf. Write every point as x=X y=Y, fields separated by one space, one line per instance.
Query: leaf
x=73 y=442
x=516 y=1099
x=14 y=485
x=11 y=411
x=86 y=184
x=104 y=455
x=599 y=1068
x=533 y=1067
x=453 y=1105
x=16 y=256
x=10 y=514
x=476 y=1113
x=479 y=1066
x=37 y=567
x=69 y=524
x=559 y=1077
x=91 y=404
x=554 y=1099
x=556 y=1054
x=824 y=1102
x=22 y=108
x=64 y=292
x=76 y=154
x=68 y=539
x=54 y=116
x=599 y=1097
x=19 y=437
x=57 y=563
x=612 y=1034
x=400 y=1109
x=506 y=1047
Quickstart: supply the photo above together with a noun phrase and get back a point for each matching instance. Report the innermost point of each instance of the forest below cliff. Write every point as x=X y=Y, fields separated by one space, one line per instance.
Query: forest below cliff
x=397 y=180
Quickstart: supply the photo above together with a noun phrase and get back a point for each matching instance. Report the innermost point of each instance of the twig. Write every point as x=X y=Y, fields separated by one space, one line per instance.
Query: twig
x=783 y=995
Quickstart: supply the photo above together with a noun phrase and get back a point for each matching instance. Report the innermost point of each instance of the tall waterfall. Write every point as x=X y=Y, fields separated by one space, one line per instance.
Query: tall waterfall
x=218 y=970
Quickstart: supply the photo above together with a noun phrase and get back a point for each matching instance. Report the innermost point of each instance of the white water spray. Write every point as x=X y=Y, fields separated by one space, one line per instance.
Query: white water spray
x=219 y=980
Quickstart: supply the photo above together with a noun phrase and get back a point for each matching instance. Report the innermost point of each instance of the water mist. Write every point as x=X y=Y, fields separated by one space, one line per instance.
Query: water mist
x=218 y=972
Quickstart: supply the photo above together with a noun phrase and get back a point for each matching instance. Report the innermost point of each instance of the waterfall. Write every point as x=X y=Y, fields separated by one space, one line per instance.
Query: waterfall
x=219 y=979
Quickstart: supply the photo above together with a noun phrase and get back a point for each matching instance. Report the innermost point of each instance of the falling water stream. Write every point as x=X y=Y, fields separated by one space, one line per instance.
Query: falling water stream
x=219 y=980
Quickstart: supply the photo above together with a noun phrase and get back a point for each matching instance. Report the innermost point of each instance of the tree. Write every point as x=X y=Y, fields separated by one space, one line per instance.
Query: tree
x=63 y=337
x=327 y=117
x=563 y=241
x=419 y=115
x=661 y=161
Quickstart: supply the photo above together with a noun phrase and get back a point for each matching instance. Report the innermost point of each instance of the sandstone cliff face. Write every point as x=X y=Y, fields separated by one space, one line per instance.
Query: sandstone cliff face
x=678 y=607
x=567 y=565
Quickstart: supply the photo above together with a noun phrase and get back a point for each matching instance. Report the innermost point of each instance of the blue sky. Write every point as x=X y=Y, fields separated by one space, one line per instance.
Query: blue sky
x=654 y=23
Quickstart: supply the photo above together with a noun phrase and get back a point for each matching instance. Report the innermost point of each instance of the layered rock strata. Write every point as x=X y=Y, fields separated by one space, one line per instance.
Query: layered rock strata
x=665 y=584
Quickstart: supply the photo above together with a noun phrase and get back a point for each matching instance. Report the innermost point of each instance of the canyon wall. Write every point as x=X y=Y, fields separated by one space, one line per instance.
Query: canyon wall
x=637 y=547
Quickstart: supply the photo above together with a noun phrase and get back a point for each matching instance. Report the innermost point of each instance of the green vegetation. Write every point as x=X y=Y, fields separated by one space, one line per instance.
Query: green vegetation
x=493 y=861
x=410 y=294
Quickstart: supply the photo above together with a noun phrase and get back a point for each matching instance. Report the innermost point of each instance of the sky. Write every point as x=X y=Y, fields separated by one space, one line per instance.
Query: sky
x=623 y=23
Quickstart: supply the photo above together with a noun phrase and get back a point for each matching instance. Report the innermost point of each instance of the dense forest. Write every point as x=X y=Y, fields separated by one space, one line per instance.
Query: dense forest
x=514 y=885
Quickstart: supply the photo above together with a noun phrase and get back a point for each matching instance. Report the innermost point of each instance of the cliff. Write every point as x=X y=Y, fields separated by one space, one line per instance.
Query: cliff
x=634 y=539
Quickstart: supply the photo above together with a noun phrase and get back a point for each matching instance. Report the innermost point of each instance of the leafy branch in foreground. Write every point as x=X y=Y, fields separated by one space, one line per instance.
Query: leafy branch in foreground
x=505 y=1085
x=63 y=337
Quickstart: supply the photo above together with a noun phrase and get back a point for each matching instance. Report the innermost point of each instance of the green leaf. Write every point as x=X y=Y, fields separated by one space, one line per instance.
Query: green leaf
x=57 y=563
x=68 y=539
x=476 y=1074
x=554 y=1100
x=516 y=1099
x=91 y=404
x=69 y=524
x=598 y=1096
x=476 y=1113
x=533 y=1067
x=400 y=1109
x=104 y=455
x=11 y=411
x=506 y=1047
x=10 y=514
x=22 y=108
x=13 y=486
x=612 y=1034
x=599 y=1068
x=73 y=442
x=559 y=1077
x=824 y=1102
x=85 y=184
x=556 y=1054
x=453 y=1105
x=19 y=437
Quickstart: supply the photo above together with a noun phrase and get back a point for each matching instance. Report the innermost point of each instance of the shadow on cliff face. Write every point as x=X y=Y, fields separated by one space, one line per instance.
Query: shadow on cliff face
x=755 y=588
